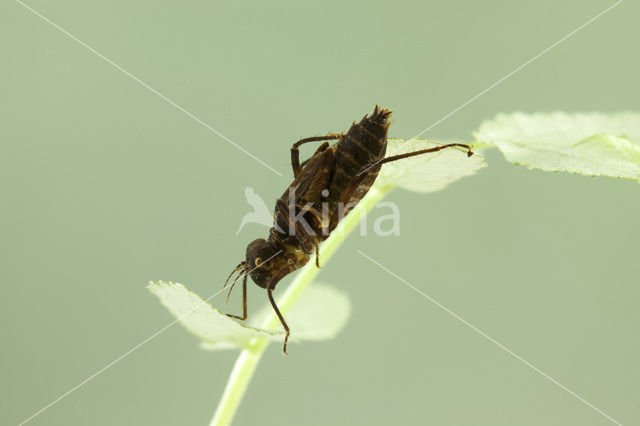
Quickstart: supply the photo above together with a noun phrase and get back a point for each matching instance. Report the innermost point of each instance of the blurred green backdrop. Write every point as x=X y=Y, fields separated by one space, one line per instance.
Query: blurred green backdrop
x=106 y=186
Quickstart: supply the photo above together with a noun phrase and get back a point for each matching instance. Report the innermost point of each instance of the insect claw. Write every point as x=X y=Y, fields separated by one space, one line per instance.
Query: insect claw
x=235 y=316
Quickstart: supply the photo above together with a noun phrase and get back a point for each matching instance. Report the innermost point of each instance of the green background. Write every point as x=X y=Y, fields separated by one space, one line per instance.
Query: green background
x=105 y=186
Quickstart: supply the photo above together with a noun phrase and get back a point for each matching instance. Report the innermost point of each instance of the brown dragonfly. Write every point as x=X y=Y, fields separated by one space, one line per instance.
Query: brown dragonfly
x=325 y=188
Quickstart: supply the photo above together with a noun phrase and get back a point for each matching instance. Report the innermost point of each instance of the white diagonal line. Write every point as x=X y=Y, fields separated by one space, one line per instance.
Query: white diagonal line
x=91 y=377
x=458 y=108
x=518 y=69
x=142 y=83
x=500 y=345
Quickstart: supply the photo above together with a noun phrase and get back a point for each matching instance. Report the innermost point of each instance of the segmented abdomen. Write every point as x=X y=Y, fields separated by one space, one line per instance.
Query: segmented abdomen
x=365 y=143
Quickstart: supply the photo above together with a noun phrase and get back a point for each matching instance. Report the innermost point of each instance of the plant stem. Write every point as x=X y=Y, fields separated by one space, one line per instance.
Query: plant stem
x=250 y=357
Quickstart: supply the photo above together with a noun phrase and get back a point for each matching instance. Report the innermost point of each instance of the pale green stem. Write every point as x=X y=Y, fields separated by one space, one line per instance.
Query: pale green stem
x=249 y=358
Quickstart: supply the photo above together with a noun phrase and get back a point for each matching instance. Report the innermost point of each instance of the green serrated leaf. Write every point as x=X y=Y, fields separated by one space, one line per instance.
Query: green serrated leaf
x=200 y=318
x=591 y=144
x=320 y=314
x=428 y=172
